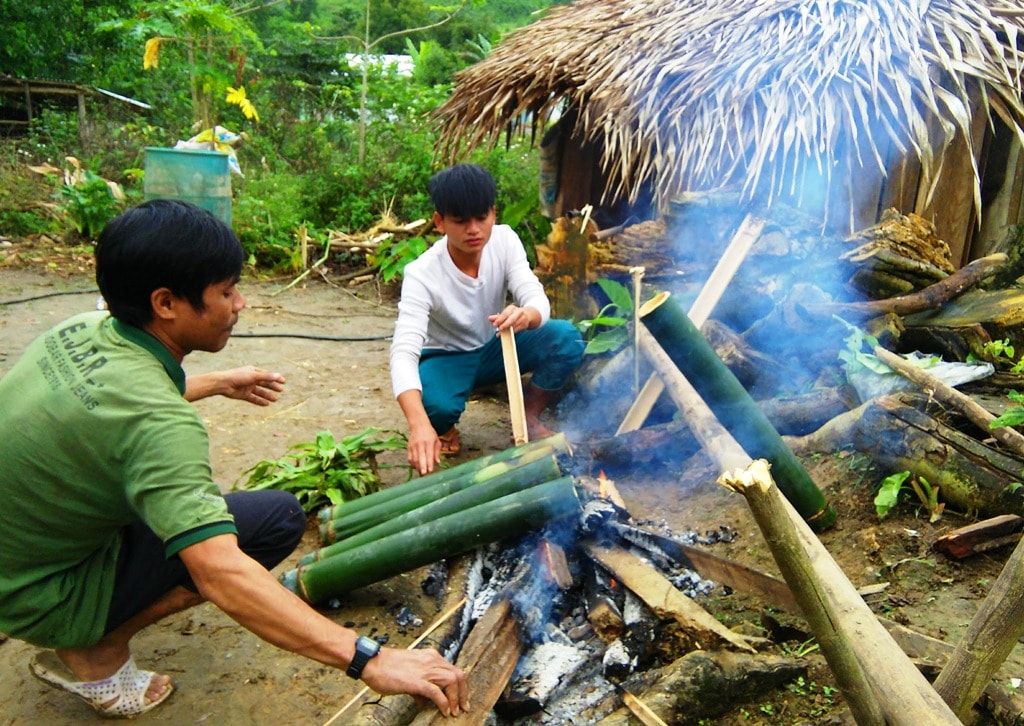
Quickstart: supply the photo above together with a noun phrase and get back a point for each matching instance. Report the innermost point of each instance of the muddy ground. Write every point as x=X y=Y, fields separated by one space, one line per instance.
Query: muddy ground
x=224 y=675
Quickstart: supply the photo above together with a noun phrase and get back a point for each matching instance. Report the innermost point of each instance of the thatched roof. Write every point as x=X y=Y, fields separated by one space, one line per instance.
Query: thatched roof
x=697 y=94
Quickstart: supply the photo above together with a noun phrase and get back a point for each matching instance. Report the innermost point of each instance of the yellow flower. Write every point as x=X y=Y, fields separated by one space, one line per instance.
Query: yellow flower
x=237 y=97
x=150 y=59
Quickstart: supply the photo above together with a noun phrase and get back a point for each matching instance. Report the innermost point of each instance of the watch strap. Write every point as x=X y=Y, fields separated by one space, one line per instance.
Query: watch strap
x=366 y=648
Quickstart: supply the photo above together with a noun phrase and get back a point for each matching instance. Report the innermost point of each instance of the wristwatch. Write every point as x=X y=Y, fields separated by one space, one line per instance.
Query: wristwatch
x=366 y=648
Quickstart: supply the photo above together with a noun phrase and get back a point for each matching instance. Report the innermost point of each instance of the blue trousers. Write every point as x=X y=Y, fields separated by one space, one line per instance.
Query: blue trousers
x=551 y=352
x=270 y=524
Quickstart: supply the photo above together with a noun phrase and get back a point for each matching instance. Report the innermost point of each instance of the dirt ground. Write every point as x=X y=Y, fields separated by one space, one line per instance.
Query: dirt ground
x=224 y=675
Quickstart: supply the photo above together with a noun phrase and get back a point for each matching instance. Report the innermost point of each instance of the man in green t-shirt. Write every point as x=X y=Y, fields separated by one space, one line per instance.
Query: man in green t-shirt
x=110 y=517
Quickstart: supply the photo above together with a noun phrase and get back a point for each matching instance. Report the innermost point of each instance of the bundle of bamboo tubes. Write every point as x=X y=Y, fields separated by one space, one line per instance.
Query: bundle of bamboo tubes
x=440 y=515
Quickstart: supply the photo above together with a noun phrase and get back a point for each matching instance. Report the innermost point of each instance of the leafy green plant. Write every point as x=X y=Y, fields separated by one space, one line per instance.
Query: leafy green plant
x=893 y=486
x=1001 y=353
x=393 y=255
x=1012 y=416
x=89 y=202
x=327 y=471
x=889 y=493
x=608 y=330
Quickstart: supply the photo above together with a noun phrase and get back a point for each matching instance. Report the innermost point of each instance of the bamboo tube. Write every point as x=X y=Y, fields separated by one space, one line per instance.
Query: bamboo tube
x=347 y=524
x=523 y=477
x=508 y=516
x=733 y=406
x=556 y=442
x=879 y=682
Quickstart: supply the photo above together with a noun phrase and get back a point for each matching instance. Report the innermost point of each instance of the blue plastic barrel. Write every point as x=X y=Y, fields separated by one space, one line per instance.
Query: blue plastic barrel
x=200 y=177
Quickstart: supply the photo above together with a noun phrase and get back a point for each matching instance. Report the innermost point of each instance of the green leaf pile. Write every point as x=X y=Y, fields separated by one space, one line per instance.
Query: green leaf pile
x=327 y=471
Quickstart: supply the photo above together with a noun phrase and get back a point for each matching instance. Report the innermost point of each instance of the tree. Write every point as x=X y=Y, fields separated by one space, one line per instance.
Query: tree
x=367 y=46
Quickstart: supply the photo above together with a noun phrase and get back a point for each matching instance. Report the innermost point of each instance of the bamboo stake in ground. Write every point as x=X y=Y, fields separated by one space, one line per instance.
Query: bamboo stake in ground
x=990 y=637
x=879 y=682
x=513 y=379
x=945 y=393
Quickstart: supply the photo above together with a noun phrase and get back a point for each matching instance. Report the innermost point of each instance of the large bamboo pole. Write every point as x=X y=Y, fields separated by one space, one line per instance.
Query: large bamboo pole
x=991 y=635
x=697 y=361
x=509 y=516
x=879 y=682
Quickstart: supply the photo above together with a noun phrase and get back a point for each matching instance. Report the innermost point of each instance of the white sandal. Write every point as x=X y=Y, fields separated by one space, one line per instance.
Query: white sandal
x=126 y=688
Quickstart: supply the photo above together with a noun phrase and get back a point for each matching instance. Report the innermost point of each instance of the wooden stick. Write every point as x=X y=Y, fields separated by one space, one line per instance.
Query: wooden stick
x=930 y=297
x=641 y=710
x=638 y=275
x=879 y=682
x=423 y=636
x=514 y=381
x=945 y=393
x=739 y=247
x=991 y=635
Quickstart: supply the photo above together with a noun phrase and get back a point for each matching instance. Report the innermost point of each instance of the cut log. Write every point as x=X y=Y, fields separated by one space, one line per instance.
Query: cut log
x=973 y=477
x=488 y=657
x=600 y=597
x=705 y=684
x=963 y=326
x=981 y=536
x=803 y=413
x=879 y=682
x=660 y=443
x=663 y=598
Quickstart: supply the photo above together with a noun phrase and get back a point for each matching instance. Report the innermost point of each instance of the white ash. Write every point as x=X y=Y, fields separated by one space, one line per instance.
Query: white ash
x=546 y=667
x=584 y=691
x=617 y=655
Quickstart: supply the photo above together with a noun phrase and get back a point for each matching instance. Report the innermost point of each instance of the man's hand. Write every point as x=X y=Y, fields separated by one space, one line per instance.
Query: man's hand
x=516 y=318
x=420 y=673
x=424 y=446
x=247 y=383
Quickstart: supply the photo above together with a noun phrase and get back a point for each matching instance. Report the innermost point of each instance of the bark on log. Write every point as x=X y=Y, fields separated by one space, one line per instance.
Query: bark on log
x=931 y=297
x=880 y=683
x=705 y=684
x=990 y=637
x=802 y=413
x=981 y=536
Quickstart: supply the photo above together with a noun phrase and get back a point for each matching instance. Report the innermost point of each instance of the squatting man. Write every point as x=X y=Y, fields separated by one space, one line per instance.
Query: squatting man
x=110 y=517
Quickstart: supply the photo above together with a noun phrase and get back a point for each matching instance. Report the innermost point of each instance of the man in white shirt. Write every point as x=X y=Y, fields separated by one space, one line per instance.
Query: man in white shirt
x=453 y=307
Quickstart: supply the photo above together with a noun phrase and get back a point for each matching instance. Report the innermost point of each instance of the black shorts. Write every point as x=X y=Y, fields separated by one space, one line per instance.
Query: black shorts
x=270 y=524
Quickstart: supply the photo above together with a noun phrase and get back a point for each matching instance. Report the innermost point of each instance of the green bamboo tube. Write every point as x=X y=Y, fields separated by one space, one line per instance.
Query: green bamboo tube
x=557 y=442
x=523 y=477
x=733 y=406
x=346 y=525
x=510 y=516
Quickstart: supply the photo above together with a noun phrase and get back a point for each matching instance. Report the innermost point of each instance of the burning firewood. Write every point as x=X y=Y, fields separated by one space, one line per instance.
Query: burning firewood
x=662 y=596
x=488 y=657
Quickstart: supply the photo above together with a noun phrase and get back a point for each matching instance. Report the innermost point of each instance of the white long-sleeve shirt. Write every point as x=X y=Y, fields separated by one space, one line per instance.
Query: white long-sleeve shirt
x=443 y=307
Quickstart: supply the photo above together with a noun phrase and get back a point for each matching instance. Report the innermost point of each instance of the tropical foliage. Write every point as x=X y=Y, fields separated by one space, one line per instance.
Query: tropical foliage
x=304 y=106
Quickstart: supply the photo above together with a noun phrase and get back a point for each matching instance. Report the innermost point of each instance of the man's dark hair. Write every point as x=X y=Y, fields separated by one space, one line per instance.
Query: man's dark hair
x=163 y=243
x=463 y=190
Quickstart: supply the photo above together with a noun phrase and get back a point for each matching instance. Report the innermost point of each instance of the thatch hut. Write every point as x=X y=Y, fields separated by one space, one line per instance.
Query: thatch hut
x=842 y=107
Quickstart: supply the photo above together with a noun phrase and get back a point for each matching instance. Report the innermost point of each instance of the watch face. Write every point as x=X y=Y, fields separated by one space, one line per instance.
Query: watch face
x=370 y=646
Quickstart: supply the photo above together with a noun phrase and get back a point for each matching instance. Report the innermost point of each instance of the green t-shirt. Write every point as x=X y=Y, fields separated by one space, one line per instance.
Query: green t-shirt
x=95 y=435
